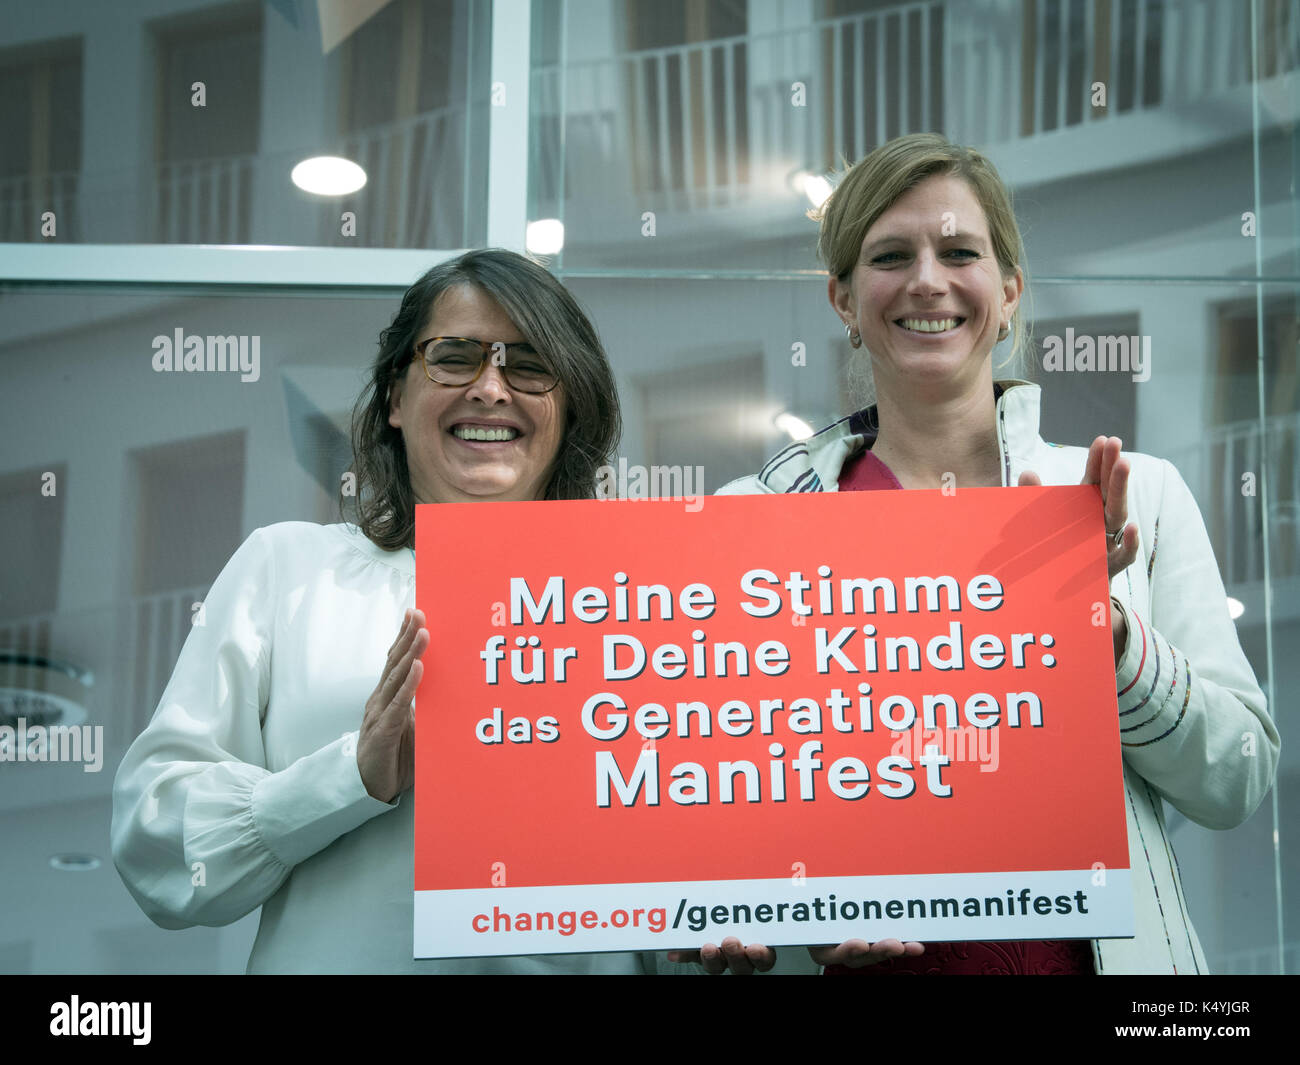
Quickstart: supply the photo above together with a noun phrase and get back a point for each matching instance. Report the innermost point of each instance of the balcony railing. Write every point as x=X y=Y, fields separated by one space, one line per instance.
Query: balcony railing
x=156 y=629
x=415 y=181
x=1224 y=472
x=1262 y=961
x=726 y=122
x=205 y=201
x=25 y=199
x=720 y=122
x=413 y=196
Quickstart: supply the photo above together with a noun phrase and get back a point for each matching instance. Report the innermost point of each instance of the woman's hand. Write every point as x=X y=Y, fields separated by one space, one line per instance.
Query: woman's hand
x=386 y=748
x=856 y=953
x=741 y=960
x=1108 y=470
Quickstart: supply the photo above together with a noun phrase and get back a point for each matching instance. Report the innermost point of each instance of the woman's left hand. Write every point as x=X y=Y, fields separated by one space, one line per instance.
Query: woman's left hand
x=1108 y=470
x=732 y=955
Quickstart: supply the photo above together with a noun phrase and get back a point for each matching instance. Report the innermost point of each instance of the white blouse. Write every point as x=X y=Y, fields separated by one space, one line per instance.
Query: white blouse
x=244 y=789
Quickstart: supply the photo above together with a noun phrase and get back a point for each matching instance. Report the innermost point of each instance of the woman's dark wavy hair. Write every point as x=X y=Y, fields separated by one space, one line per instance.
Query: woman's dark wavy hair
x=549 y=318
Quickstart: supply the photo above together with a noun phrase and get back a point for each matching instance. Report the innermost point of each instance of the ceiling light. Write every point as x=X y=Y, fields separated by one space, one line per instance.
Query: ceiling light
x=794 y=425
x=545 y=236
x=817 y=189
x=328 y=175
x=815 y=186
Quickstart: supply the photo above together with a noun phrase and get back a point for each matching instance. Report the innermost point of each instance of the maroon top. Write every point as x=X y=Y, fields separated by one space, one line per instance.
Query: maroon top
x=1044 y=957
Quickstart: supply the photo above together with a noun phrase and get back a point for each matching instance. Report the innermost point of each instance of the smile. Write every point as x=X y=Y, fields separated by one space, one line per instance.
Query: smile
x=924 y=325
x=482 y=434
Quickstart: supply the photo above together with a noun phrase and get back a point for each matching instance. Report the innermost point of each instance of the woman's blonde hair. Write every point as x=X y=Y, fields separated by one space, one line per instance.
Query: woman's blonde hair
x=871 y=186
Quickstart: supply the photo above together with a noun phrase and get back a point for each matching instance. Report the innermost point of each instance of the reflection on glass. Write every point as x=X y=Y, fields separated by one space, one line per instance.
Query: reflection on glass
x=184 y=129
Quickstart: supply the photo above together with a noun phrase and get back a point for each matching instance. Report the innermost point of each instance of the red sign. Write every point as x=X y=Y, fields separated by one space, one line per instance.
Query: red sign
x=795 y=719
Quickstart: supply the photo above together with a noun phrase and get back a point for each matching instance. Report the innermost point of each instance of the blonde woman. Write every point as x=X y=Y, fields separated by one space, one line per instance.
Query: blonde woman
x=924 y=257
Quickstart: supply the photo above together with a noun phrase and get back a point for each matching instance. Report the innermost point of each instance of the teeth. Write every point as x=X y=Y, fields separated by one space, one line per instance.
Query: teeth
x=477 y=432
x=921 y=325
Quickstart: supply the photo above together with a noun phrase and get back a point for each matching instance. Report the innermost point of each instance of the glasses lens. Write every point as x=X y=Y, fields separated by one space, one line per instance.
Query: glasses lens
x=526 y=371
x=453 y=362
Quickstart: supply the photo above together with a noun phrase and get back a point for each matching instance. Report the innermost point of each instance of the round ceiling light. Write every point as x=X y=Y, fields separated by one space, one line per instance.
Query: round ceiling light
x=328 y=175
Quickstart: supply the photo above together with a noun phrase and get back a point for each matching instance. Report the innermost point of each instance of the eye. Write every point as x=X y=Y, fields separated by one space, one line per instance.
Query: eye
x=453 y=358
x=886 y=259
x=965 y=253
x=525 y=360
x=455 y=352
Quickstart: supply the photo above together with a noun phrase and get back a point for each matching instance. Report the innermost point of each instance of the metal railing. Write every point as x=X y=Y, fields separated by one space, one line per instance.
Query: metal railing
x=1261 y=961
x=156 y=628
x=413 y=167
x=25 y=199
x=718 y=122
x=1223 y=472
x=205 y=201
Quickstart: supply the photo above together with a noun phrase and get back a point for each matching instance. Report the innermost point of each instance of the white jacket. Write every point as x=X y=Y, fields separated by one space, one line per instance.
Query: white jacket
x=1194 y=728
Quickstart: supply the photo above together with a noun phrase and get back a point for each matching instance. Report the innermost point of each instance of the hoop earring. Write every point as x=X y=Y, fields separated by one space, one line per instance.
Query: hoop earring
x=1004 y=332
x=855 y=339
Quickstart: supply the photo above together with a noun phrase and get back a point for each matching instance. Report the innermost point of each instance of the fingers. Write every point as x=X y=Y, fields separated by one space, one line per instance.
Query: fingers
x=405 y=679
x=733 y=957
x=1029 y=479
x=411 y=642
x=732 y=954
x=1118 y=559
x=855 y=953
x=1115 y=494
x=1092 y=469
x=1109 y=470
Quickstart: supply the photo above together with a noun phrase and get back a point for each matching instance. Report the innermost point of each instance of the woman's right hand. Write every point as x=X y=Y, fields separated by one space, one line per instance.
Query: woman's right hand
x=386 y=747
x=855 y=953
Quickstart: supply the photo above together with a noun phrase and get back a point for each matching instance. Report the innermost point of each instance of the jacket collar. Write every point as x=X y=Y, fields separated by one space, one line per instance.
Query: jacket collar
x=814 y=465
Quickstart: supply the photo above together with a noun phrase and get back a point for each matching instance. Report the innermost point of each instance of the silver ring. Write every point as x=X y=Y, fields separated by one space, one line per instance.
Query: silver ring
x=1117 y=537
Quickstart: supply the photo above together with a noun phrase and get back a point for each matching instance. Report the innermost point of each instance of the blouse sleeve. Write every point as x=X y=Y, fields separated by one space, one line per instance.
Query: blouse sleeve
x=203 y=832
x=1193 y=720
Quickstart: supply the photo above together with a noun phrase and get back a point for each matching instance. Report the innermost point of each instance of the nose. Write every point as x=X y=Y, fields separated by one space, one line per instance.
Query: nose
x=490 y=387
x=927 y=276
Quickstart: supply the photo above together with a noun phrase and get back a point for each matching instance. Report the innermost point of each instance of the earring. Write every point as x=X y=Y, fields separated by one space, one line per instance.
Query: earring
x=855 y=339
x=1004 y=332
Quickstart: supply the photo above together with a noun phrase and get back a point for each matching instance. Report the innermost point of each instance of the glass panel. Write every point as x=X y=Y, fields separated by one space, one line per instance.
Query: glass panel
x=130 y=488
x=676 y=142
x=1135 y=113
x=184 y=128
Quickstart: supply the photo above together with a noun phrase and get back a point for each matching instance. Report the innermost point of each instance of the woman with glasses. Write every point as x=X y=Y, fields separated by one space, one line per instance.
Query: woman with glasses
x=276 y=771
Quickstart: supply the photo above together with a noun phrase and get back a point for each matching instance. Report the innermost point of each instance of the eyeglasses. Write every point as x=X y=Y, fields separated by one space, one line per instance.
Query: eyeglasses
x=458 y=361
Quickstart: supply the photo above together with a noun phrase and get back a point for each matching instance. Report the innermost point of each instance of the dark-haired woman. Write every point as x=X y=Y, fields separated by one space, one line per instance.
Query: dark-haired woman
x=273 y=771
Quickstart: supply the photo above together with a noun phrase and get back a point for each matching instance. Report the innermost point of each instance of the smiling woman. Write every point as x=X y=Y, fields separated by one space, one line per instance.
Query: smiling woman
x=469 y=433
x=277 y=767
x=429 y=429
x=925 y=263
